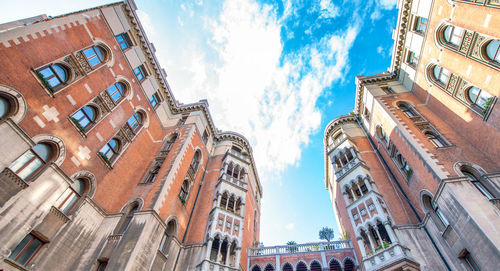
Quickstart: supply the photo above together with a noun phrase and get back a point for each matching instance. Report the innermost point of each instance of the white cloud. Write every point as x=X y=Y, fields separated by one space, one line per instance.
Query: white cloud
x=146 y=22
x=255 y=90
x=387 y=4
x=290 y=226
x=379 y=49
x=328 y=9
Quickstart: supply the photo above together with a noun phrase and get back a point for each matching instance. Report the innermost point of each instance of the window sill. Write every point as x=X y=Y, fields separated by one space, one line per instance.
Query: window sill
x=446 y=230
x=16 y=265
x=162 y=254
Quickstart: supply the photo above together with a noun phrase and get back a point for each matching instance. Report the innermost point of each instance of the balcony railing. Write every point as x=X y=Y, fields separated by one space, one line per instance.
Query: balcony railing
x=230 y=179
x=339 y=173
x=239 y=155
x=393 y=253
x=300 y=248
x=337 y=142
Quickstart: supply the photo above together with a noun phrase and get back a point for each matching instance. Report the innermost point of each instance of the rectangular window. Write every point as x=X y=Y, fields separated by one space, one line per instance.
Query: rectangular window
x=467 y=258
x=413 y=59
x=154 y=100
x=26 y=249
x=102 y=265
x=123 y=41
x=421 y=24
x=140 y=73
x=205 y=136
x=182 y=121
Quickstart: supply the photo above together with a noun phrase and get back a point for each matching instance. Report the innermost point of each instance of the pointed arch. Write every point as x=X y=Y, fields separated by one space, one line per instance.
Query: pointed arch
x=334 y=265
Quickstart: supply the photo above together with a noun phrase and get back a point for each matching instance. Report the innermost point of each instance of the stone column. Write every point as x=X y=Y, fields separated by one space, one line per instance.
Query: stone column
x=346 y=198
x=219 y=196
x=227 y=201
x=238 y=255
x=390 y=232
x=361 y=245
x=352 y=193
x=228 y=250
x=360 y=191
x=218 y=250
x=242 y=208
x=353 y=153
x=209 y=248
x=370 y=239
x=378 y=235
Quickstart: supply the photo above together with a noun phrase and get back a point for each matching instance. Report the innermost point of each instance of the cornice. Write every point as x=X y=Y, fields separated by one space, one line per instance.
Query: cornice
x=401 y=31
x=362 y=80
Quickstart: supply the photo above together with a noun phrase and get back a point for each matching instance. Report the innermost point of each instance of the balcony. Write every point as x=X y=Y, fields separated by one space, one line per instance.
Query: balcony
x=337 y=142
x=239 y=155
x=391 y=258
x=300 y=248
x=234 y=181
x=341 y=172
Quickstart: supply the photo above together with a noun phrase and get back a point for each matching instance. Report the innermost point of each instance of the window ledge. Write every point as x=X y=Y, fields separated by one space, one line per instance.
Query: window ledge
x=16 y=265
x=446 y=230
x=496 y=202
x=162 y=254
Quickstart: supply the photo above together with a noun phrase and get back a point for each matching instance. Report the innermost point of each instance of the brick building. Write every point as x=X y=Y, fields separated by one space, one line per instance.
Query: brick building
x=414 y=172
x=101 y=167
x=322 y=256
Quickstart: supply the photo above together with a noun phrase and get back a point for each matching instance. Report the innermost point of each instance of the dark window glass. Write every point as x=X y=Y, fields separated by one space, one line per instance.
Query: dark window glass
x=94 y=55
x=478 y=97
x=441 y=74
x=71 y=196
x=4 y=107
x=493 y=50
x=139 y=73
x=154 y=100
x=421 y=24
x=453 y=35
x=184 y=190
x=472 y=264
x=85 y=116
x=413 y=59
x=102 y=266
x=116 y=92
x=135 y=122
x=475 y=181
x=54 y=74
x=123 y=41
x=31 y=161
x=26 y=249
x=110 y=150
x=129 y=217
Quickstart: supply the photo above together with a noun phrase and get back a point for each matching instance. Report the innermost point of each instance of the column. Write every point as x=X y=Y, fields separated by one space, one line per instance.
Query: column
x=219 y=197
x=370 y=239
x=352 y=193
x=218 y=250
x=227 y=201
x=228 y=250
x=353 y=153
x=367 y=184
x=346 y=198
x=209 y=248
x=378 y=235
x=238 y=255
x=242 y=209
x=361 y=245
x=390 y=232
x=360 y=191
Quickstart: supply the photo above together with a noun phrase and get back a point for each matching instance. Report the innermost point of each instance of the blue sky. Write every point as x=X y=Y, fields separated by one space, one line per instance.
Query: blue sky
x=275 y=71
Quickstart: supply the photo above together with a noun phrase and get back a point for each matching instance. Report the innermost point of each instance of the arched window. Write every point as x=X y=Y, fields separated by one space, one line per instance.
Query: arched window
x=72 y=195
x=255 y=267
x=315 y=266
x=111 y=150
x=287 y=267
x=7 y=106
x=433 y=208
x=348 y=265
x=441 y=75
x=183 y=193
x=55 y=74
x=128 y=218
x=493 y=50
x=335 y=265
x=478 y=97
x=269 y=267
x=135 y=122
x=478 y=184
x=85 y=117
x=453 y=35
x=95 y=55
x=116 y=92
x=223 y=201
x=32 y=161
x=381 y=134
x=403 y=165
x=301 y=267
x=196 y=161
x=152 y=175
x=168 y=145
x=26 y=249
x=436 y=139
x=168 y=235
x=229 y=170
x=408 y=110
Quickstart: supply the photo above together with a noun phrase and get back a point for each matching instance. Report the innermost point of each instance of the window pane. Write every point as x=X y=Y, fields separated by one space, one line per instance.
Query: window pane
x=20 y=247
x=119 y=38
x=29 y=252
x=16 y=165
x=473 y=93
x=94 y=61
x=4 y=107
x=70 y=201
x=113 y=144
x=43 y=150
x=60 y=71
x=447 y=33
x=90 y=112
x=100 y=52
x=47 y=72
x=89 y=53
x=483 y=98
x=53 y=81
x=120 y=87
x=30 y=168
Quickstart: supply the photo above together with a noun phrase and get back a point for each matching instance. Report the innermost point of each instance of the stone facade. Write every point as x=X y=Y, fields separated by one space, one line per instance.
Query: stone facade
x=101 y=167
x=413 y=172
